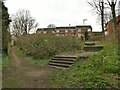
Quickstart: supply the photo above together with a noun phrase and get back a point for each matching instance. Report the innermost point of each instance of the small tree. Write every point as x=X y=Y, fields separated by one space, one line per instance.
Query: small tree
x=22 y=22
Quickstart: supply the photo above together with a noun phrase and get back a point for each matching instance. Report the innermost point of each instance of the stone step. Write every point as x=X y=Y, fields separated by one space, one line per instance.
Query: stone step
x=63 y=56
x=63 y=62
x=93 y=48
x=89 y=43
x=59 y=65
x=63 y=59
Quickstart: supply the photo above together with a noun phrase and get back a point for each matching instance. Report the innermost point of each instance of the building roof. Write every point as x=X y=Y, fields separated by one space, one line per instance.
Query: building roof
x=71 y=27
x=84 y=26
x=65 y=27
x=45 y=29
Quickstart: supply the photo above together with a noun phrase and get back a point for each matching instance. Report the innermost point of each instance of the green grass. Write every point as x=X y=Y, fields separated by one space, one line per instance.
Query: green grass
x=99 y=71
x=4 y=62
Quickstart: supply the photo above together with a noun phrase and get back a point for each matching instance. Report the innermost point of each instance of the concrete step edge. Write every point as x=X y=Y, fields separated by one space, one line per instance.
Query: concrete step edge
x=61 y=65
x=63 y=62
x=64 y=59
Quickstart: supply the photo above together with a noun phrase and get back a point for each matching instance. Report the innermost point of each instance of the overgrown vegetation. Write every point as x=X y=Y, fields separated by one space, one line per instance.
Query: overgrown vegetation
x=40 y=46
x=99 y=71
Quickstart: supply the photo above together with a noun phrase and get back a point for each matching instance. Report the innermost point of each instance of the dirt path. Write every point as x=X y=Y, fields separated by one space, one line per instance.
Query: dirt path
x=22 y=74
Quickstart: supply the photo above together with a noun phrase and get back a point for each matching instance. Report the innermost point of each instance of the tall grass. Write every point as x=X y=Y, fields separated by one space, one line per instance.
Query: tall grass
x=44 y=46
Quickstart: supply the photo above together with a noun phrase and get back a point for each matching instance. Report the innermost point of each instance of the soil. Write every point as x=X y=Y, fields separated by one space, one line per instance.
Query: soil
x=21 y=73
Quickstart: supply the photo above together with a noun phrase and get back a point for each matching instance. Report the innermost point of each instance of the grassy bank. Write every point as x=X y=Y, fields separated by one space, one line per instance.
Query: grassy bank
x=99 y=71
x=45 y=46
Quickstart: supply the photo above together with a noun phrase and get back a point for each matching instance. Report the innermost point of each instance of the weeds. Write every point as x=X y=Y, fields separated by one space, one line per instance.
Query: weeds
x=41 y=47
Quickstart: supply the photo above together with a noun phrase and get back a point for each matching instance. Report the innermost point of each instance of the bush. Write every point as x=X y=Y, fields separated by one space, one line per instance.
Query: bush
x=40 y=46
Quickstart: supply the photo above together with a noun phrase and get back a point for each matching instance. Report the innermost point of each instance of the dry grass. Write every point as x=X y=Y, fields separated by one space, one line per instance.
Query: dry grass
x=43 y=46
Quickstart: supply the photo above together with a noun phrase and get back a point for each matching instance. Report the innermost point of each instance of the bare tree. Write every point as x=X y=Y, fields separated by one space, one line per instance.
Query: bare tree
x=98 y=8
x=22 y=22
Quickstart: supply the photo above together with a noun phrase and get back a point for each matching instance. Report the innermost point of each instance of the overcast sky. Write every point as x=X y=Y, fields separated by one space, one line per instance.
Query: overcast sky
x=58 y=12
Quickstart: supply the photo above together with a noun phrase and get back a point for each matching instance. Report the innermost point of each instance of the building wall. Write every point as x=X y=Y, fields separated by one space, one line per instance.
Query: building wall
x=110 y=25
x=79 y=31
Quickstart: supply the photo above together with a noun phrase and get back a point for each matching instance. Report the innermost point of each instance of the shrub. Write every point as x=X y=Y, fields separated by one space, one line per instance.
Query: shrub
x=43 y=46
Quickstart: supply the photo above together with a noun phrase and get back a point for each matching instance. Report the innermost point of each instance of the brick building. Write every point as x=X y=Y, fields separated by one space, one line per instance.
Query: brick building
x=70 y=30
x=109 y=26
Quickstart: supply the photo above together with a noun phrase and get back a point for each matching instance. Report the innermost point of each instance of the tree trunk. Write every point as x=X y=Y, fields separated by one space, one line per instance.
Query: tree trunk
x=114 y=19
x=102 y=20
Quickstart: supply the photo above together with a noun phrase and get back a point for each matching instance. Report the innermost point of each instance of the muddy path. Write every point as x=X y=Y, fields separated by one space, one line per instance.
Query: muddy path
x=22 y=74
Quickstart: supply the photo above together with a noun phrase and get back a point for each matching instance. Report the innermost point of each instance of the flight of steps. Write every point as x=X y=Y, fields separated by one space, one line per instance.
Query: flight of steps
x=91 y=47
x=61 y=61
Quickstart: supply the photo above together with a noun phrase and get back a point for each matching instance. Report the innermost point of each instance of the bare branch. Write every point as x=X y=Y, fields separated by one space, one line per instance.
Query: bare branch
x=23 y=22
x=115 y=2
x=108 y=2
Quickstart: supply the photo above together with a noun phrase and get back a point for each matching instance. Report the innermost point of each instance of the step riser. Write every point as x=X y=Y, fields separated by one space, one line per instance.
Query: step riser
x=58 y=65
x=62 y=62
x=94 y=48
x=90 y=44
x=66 y=57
